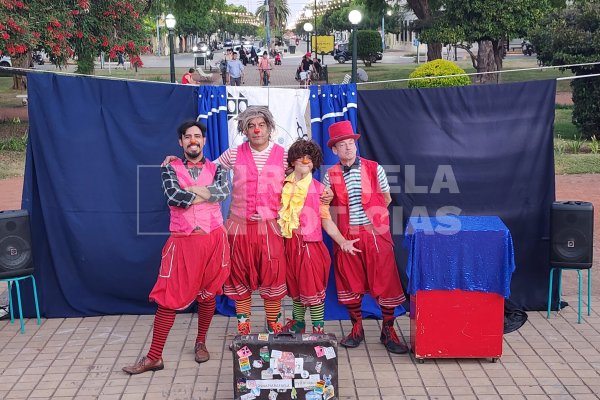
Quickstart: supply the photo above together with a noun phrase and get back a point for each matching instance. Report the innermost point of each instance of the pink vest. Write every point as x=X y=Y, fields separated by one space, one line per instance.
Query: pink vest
x=206 y=216
x=254 y=192
x=310 y=217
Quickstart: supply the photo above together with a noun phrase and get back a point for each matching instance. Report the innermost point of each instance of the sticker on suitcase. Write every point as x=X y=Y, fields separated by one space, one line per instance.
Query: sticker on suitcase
x=297 y=367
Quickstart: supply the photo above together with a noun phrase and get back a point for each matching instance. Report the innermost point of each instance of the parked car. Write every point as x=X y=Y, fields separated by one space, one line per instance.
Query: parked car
x=202 y=47
x=228 y=43
x=5 y=62
x=342 y=54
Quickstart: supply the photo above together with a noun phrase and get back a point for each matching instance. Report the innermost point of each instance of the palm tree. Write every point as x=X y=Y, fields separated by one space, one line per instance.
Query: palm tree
x=279 y=12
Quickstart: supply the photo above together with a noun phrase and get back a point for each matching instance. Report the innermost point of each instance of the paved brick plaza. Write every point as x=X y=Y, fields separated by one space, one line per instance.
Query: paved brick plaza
x=81 y=358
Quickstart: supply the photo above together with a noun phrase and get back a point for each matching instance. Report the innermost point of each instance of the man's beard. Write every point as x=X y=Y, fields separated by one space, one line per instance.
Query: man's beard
x=193 y=153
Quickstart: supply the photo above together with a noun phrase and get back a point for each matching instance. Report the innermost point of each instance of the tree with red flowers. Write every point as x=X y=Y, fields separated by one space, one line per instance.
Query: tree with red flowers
x=91 y=27
x=15 y=34
x=72 y=29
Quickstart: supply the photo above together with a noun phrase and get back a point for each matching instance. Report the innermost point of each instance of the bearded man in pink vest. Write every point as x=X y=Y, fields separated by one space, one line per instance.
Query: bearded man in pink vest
x=359 y=207
x=196 y=257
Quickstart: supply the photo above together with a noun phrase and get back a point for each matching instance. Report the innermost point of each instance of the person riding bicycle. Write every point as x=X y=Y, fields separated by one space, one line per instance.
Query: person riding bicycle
x=264 y=67
x=306 y=62
x=305 y=66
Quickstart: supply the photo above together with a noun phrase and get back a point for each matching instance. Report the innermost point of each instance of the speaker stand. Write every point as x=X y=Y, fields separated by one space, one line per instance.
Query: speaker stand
x=589 y=303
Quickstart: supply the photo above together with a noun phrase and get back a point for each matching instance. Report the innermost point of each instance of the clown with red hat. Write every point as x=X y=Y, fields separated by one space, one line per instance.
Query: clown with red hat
x=359 y=208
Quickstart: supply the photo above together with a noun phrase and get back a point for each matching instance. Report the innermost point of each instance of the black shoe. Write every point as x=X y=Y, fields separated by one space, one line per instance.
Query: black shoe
x=356 y=336
x=391 y=341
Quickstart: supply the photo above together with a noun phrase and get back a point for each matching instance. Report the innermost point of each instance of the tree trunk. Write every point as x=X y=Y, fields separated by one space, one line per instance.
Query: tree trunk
x=21 y=61
x=498 y=47
x=272 y=24
x=422 y=10
x=486 y=62
x=85 y=62
x=467 y=48
x=434 y=51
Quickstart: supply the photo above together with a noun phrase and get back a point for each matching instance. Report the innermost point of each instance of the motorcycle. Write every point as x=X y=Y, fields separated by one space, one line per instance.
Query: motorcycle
x=37 y=58
x=278 y=59
x=527 y=48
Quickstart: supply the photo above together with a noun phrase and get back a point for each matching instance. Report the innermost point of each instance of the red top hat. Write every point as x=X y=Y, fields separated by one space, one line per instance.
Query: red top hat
x=341 y=131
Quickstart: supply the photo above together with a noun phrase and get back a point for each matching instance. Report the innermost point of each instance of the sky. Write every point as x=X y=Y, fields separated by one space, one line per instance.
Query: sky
x=295 y=6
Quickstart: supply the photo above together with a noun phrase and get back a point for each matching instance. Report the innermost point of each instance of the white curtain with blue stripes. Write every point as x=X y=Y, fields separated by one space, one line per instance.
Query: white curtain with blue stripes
x=336 y=103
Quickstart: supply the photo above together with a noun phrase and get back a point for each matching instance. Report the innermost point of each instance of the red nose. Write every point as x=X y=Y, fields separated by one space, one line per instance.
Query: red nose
x=256 y=130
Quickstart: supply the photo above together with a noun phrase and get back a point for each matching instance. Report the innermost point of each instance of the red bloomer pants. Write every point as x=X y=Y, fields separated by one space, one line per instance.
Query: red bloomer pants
x=257 y=259
x=372 y=271
x=307 y=270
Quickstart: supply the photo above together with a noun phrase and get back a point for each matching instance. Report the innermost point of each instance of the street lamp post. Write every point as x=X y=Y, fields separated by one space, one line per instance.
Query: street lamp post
x=308 y=27
x=316 y=49
x=157 y=36
x=389 y=13
x=267 y=24
x=308 y=13
x=354 y=16
x=170 y=22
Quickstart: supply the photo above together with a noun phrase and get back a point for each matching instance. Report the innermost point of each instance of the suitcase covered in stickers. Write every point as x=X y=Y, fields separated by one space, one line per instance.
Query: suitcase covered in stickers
x=285 y=366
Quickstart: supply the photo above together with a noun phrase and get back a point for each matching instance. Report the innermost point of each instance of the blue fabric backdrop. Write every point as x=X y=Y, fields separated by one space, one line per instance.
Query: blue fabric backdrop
x=494 y=142
x=98 y=214
x=212 y=111
x=92 y=185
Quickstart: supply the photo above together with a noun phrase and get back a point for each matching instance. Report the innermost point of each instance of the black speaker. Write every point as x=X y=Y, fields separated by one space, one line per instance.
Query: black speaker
x=15 y=244
x=572 y=234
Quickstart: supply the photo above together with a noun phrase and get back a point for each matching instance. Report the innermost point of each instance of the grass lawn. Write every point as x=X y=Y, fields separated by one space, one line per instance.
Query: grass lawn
x=576 y=164
x=8 y=96
x=563 y=126
x=384 y=72
x=13 y=164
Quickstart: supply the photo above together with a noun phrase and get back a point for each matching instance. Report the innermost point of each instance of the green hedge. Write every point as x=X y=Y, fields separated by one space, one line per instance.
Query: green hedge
x=369 y=43
x=438 y=68
x=586 y=109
